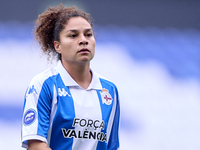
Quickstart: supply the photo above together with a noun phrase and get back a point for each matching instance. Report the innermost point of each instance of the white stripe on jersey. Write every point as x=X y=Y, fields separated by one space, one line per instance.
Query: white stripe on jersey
x=87 y=106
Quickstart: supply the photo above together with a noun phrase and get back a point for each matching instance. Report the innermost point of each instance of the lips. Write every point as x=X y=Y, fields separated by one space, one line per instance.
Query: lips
x=84 y=50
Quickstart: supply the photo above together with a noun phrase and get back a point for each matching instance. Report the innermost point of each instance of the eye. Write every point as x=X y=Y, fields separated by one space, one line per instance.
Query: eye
x=89 y=34
x=73 y=35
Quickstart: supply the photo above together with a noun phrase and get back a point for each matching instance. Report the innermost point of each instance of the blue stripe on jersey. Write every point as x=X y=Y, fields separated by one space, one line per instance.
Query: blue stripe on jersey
x=63 y=118
x=44 y=106
x=113 y=142
x=106 y=110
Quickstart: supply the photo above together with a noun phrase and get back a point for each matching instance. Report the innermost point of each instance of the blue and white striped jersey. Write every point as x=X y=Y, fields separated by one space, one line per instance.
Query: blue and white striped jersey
x=67 y=117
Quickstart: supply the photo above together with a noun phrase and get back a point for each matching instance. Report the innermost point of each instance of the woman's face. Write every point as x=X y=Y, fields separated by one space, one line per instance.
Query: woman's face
x=77 y=42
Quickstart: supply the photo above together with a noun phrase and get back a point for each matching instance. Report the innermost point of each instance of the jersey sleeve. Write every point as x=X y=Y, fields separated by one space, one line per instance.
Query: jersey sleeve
x=36 y=111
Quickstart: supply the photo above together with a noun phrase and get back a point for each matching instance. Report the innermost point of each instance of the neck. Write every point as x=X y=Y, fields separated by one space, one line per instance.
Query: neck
x=80 y=73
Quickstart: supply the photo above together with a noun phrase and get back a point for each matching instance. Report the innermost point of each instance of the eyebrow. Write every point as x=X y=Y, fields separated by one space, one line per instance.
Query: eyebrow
x=74 y=30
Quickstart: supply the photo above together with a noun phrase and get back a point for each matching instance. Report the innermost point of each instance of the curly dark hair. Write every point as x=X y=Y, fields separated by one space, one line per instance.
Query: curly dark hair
x=50 y=23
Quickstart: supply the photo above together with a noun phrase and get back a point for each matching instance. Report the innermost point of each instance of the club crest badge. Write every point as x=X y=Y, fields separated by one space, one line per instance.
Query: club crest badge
x=106 y=97
x=29 y=117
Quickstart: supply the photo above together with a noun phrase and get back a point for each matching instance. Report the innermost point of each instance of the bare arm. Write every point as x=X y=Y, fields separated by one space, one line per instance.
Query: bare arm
x=37 y=145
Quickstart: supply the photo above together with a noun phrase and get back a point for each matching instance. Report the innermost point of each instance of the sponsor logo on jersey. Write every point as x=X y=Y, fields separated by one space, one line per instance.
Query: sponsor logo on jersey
x=106 y=97
x=89 y=130
x=32 y=90
x=62 y=92
x=29 y=117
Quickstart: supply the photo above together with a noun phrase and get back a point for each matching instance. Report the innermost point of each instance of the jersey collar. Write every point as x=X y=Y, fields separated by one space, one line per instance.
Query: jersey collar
x=69 y=81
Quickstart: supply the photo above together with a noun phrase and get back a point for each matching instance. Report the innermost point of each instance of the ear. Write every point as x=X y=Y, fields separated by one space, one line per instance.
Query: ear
x=57 y=46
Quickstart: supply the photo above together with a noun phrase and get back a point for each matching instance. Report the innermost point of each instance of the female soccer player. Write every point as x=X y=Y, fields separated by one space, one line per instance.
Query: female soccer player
x=69 y=107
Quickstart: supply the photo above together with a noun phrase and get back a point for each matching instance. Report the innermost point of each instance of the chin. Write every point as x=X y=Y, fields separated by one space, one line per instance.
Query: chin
x=86 y=59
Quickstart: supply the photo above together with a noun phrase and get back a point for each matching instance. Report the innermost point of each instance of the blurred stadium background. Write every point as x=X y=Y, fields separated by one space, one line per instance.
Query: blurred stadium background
x=150 y=49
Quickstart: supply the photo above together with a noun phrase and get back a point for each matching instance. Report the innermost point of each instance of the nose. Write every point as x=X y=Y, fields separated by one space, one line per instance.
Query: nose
x=83 y=40
x=83 y=43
